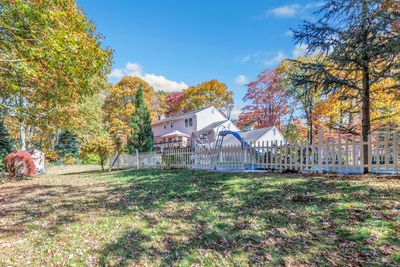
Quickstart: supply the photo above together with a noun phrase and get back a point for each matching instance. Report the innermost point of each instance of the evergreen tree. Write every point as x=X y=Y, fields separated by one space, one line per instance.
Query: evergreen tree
x=5 y=142
x=360 y=48
x=67 y=145
x=141 y=137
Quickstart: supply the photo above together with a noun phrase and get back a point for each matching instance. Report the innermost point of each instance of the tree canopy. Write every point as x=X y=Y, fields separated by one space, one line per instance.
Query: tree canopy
x=209 y=93
x=268 y=102
x=361 y=48
x=50 y=57
x=119 y=106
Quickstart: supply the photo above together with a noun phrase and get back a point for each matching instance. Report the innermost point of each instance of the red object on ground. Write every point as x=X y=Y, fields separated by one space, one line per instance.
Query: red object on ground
x=19 y=164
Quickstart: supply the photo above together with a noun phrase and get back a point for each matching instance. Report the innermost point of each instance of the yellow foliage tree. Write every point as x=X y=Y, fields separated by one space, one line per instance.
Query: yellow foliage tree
x=210 y=93
x=101 y=146
x=342 y=110
x=119 y=107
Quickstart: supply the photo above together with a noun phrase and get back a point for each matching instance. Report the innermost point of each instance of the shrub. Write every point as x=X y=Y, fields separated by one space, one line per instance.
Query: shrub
x=19 y=164
x=70 y=160
x=51 y=156
x=102 y=146
x=5 y=142
x=90 y=158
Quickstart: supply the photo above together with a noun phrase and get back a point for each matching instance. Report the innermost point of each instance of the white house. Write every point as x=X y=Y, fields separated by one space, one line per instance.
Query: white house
x=180 y=129
x=270 y=134
x=203 y=126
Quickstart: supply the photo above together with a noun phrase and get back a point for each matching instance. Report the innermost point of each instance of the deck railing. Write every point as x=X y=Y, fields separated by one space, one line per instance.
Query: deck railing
x=340 y=154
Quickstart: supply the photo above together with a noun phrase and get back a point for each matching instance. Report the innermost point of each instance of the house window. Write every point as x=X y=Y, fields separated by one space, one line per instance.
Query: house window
x=189 y=122
x=165 y=126
x=172 y=124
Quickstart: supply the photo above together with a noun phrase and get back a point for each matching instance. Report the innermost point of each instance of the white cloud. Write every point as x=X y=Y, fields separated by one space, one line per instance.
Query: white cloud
x=286 y=11
x=161 y=83
x=117 y=73
x=241 y=79
x=289 y=33
x=245 y=59
x=291 y=10
x=158 y=82
x=275 y=60
x=299 y=50
x=257 y=57
x=134 y=69
x=314 y=5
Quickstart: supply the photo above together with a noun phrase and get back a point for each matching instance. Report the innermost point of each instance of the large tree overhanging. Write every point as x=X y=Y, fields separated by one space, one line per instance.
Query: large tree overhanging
x=354 y=37
x=51 y=57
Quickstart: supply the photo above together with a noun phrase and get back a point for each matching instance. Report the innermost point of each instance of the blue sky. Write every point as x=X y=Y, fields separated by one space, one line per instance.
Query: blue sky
x=177 y=43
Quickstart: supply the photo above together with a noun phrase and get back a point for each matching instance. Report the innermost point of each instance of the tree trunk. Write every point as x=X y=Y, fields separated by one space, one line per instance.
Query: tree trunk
x=310 y=124
x=366 y=116
x=22 y=124
x=366 y=122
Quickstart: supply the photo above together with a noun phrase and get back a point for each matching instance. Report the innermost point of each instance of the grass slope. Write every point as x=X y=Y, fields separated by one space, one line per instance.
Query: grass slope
x=205 y=218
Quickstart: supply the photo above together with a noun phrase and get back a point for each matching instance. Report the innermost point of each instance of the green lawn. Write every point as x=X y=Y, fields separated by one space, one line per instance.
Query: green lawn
x=198 y=218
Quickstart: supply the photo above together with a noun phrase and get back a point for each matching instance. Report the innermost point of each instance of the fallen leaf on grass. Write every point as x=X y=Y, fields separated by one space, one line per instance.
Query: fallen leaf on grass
x=386 y=250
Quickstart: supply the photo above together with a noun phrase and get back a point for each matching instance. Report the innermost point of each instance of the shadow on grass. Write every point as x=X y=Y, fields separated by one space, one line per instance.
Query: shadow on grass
x=210 y=218
x=277 y=220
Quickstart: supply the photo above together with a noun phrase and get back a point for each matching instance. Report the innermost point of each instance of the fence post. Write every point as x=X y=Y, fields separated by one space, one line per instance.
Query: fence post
x=361 y=149
x=137 y=159
x=301 y=158
x=284 y=156
x=243 y=157
x=319 y=152
x=307 y=153
x=353 y=150
x=370 y=147
x=340 y=166
x=378 y=154
x=395 y=153
x=386 y=157
x=346 y=138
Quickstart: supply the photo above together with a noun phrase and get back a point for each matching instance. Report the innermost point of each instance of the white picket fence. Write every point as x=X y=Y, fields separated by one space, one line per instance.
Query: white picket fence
x=342 y=154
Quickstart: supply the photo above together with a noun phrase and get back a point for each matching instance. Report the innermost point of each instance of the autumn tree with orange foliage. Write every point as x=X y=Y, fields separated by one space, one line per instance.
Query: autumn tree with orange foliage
x=209 y=93
x=51 y=57
x=392 y=6
x=361 y=48
x=268 y=102
x=174 y=102
x=119 y=107
x=305 y=96
x=341 y=111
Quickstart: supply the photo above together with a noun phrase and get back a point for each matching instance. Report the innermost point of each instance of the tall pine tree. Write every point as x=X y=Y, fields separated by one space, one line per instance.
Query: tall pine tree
x=67 y=145
x=141 y=137
x=360 y=48
x=5 y=142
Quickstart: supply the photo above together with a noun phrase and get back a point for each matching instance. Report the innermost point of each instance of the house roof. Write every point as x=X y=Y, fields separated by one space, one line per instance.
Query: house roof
x=212 y=126
x=179 y=116
x=248 y=136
